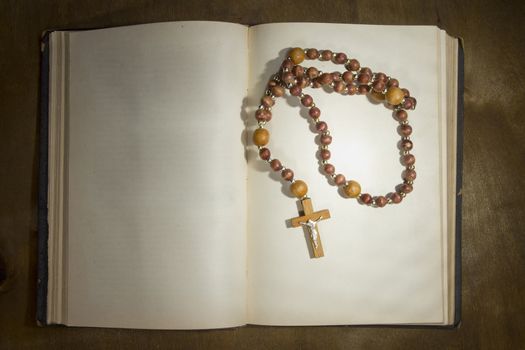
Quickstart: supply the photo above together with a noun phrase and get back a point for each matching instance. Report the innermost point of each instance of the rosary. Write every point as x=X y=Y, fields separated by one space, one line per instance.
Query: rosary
x=355 y=80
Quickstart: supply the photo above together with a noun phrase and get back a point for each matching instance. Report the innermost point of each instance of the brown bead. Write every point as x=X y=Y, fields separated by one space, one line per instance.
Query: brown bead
x=395 y=197
x=409 y=103
x=409 y=159
x=296 y=55
x=264 y=153
x=363 y=78
x=378 y=86
x=340 y=58
x=303 y=81
x=272 y=83
x=365 y=198
x=353 y=65
x=276 y=165
x=298 y=71
x=307 y=100
x=348 y=77
x=314 y=112
x=267 y=101
x=340 y=179
x=321 y=127
x=287 y=65
x=325 y=154
x=394 y=95
x=339 y=86
x=405 y=130
x=261 y=137
x=329 y=169
x=378 y=96
x=366 y=70
x=406 y=145
x=278 y=91
x=381 y=201
x=326 y=139
x=295 y=90
x=299 y=188
x=409 y=175
x=393 y=82
x=336 y=76
x=326 y=55
x=380 y=77
x=326 y=78
x=287 y=174
x=316 y=83
x=406 y=188
x=263 y=115
x=351 y=89
x=288 y=77
x=312 y=54
x=401 y=115
x=406 y=93
x=363 y=89
x=352 y=189
x=312 y=72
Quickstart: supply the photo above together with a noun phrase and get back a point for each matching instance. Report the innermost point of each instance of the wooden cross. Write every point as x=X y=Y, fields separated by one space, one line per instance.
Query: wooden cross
x=309 y=221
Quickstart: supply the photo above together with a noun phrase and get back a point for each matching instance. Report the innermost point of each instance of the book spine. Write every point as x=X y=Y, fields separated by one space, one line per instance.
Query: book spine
x=43 y=230
x=459 y=182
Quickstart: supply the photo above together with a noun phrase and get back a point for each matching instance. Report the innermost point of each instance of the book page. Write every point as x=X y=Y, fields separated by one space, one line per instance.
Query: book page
x=381 y=265
x=157 y=176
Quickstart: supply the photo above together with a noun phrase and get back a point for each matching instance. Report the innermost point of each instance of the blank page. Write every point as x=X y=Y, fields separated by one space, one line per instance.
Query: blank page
x=381 y=265
x=157 y=176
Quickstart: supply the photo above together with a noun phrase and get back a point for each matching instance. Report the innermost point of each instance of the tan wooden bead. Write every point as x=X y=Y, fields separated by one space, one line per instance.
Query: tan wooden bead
x=261 y=137
x=352 y=189
x=394 y=95
x=299 y=188
x=378 y=96
x=296 y=55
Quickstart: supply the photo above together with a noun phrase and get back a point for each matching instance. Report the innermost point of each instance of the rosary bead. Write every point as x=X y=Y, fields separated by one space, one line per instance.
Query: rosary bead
x=406 y=145
x=316 y=83
x=352 y=89
x=303 y=81
x=408 y=103
x=298 y=71
x=307 y=100
x=261 y=137
x=271 y=84
x=409 y=175
x=380 y=201
x=336 y=76
x=278 y=91
x=329 y=169
x=339 y=179
x=366 y=198
x=312 y=54
x=288 y=77
x=353 y=65
x=299 y=188
x=287 y=174
x=326 y=78
x=363 y=89
x=366 y=70
x=393 y=82
x=340 y=58
x=380 y=77
x=325 y=154
x=378 y=96
x=409 y=159
x=363 y=78
x=395 y=197
x=321 y=127
x=348 y=77
x=394 y=95
x=314 y=112
x=406 y=188
x=339 y=86
x=296 y=55
x=263 y=115
x=296 y=90
x=264 y=153
x=401 y=115
x=287 y=65
x=276 y=165
x=326 y=55
x=405 y=130
x=267 y=101
x=326 y=139
x=406 y=93
x=312 y=72
x=378 y=85
x=352 y=189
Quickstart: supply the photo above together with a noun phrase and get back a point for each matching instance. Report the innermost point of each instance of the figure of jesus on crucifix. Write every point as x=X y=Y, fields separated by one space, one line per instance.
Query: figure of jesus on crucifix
x=312 y=228
x=309 y=220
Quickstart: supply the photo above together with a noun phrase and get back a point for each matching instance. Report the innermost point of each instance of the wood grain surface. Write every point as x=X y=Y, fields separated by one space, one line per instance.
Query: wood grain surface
x=494 y=164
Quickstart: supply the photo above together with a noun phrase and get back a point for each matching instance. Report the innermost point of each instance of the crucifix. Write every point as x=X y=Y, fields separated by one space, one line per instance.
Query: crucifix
x=309 y=220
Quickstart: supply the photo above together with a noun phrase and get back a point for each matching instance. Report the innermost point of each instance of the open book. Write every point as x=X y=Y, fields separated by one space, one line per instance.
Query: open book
x=156 y=211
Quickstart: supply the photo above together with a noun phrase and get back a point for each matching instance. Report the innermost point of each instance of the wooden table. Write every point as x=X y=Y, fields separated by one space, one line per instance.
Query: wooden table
x=494 y=165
